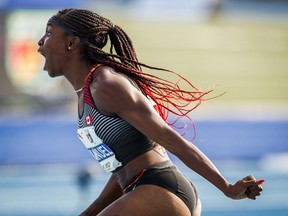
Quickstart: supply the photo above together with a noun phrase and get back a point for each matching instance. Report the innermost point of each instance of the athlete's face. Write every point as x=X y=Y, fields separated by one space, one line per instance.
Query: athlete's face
x=53 y=46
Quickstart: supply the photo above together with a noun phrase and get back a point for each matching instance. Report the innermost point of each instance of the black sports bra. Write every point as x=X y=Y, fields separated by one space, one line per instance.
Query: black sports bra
x=124 y=140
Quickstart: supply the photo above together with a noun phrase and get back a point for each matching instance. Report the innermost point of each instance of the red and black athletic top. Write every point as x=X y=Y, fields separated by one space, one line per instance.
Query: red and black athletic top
x=126 y=142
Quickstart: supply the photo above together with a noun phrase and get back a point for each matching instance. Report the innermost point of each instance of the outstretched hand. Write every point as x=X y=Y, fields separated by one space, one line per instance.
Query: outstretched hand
x=247 y=187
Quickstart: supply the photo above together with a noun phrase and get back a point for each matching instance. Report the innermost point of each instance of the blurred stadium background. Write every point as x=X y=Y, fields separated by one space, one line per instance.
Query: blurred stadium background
x=237 y=46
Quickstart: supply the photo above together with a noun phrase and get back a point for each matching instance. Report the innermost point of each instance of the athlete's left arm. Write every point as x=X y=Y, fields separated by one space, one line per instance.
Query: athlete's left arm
x=119 y=96
x=139 y=113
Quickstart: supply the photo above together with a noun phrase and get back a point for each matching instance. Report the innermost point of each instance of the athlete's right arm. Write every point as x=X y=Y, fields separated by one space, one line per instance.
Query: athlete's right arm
x=111 y=192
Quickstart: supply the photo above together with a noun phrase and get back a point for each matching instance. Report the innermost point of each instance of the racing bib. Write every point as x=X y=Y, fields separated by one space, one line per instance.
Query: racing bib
x=100 y=151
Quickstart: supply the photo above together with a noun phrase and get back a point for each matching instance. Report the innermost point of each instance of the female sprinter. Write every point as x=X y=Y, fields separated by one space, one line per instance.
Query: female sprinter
x=123 y=120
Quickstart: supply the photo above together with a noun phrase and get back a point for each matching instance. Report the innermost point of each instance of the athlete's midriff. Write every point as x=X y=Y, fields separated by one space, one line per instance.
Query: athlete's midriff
x=137 y=165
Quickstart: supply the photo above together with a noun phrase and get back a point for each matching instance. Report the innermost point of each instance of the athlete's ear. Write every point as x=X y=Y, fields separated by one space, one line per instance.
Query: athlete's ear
x=73 y=42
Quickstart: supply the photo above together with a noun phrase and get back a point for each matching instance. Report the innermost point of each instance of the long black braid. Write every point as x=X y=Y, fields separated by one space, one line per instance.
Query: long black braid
x=95 y=31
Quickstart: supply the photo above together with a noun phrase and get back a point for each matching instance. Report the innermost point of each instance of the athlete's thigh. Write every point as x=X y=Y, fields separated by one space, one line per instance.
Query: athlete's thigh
x=147 y=200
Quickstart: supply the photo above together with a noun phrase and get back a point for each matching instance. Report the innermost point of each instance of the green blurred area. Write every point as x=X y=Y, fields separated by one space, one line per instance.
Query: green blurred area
x=248 y=60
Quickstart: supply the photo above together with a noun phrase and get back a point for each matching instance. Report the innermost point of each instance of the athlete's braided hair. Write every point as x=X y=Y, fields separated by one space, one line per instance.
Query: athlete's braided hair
x=94 y=31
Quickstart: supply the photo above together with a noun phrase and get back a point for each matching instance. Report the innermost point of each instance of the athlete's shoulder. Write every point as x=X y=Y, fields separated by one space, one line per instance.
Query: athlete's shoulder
x=110 y=89
x=106 y=77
